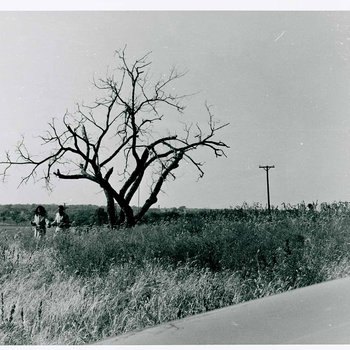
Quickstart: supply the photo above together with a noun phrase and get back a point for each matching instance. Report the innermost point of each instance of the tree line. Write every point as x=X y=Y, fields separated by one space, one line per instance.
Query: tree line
x=81 y=214
x=22 y=214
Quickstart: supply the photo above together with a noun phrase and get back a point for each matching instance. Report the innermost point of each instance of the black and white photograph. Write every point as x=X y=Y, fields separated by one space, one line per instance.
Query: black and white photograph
x=174 y=175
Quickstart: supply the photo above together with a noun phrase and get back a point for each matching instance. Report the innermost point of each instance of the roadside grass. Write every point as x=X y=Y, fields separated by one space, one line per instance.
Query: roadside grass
x=42 y=305
x=80 y=287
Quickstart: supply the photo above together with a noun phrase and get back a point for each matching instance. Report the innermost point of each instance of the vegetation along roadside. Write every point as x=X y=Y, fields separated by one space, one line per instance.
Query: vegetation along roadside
x=95 y=282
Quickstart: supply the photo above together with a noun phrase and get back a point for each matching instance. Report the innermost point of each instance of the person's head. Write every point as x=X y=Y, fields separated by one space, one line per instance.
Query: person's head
x=40 y=210
x=61 y=209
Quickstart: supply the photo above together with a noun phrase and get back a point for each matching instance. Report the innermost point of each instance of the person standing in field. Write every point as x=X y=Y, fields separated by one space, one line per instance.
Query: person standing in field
x=61 y=221
x=40 y=222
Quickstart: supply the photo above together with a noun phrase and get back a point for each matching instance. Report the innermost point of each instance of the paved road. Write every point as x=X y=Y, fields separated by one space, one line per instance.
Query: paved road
x=318 y=314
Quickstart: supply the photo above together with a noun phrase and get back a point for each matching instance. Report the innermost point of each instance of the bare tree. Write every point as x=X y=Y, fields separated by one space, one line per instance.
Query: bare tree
x=114 y=143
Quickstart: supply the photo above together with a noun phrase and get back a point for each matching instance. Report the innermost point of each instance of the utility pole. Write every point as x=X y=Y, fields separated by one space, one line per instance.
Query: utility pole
x=267 y=168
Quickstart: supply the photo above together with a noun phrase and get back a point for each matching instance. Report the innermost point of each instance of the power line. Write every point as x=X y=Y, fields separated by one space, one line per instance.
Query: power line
x=267 y=168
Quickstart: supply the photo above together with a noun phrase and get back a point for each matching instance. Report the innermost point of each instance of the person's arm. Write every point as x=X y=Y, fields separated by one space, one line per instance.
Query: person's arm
x=54 y=222
x=33 y=222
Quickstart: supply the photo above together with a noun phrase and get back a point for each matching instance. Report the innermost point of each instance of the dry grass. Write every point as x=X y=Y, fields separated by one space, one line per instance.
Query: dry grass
x=80 y=288
x=51 y=307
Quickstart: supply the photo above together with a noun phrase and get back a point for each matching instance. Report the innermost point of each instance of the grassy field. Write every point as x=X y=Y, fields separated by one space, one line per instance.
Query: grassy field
x=80 y=287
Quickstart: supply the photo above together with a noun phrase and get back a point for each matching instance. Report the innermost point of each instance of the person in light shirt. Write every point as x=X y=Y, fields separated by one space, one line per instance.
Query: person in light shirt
x=61 y=221
x=40 y=222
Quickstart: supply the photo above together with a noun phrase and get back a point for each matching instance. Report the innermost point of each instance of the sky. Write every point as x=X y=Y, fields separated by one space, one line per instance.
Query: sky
x=280 y=78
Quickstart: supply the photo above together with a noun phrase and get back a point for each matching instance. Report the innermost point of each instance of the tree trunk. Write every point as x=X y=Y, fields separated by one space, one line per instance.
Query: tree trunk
x=126 y=219
x=126 y=216
x=112 y=218
x=121 y=218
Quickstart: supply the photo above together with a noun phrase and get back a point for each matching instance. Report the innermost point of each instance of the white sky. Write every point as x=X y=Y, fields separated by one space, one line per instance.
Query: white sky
x=282 y=80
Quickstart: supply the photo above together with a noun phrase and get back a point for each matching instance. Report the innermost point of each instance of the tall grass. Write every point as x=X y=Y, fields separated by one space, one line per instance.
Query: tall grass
x=80 y=287
x=43 y=305
x=297 y=248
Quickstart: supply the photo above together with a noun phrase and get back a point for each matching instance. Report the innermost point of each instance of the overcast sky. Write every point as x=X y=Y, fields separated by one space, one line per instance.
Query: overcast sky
x=281 y=79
